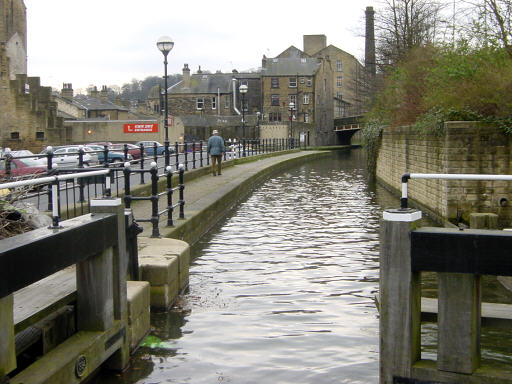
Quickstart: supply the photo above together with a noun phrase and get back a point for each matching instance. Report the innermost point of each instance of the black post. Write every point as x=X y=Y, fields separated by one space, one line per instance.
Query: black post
x=81 y=180
x=142 y=163
x=201 y=152
x=185 y=149
x=166 y=122
x=170 y=208
x=155 y=153
x=243 y=121
x=154 y=201
x=177 y=153
x=193 y=155
x=105 y=156
x=49 y=158
x=182 y=188
x=125 y=150
x=127 y=191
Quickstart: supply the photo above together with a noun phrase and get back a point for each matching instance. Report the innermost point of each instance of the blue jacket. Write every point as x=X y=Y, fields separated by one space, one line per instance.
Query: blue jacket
x=216 y=145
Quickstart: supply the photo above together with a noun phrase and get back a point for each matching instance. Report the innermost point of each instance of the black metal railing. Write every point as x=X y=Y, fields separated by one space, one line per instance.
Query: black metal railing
x=155 y=195
x=75 y=193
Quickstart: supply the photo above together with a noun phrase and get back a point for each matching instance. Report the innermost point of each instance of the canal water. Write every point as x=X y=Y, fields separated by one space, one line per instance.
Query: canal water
x=282 y=290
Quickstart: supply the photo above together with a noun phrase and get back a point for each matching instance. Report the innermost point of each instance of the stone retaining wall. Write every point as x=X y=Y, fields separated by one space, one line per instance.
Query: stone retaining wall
x=464 y=147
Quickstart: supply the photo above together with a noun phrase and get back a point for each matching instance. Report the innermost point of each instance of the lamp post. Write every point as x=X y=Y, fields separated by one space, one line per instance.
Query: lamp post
x=243 y=91
x=292 y=108
x=165 y=44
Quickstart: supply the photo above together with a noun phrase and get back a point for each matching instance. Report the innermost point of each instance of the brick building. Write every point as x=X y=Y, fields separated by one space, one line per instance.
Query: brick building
x=28 y=114
x=204 y=101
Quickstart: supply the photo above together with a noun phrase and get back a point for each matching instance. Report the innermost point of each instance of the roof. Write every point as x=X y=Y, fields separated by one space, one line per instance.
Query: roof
x=201 y=83
x=97 y=104
x=290 y=66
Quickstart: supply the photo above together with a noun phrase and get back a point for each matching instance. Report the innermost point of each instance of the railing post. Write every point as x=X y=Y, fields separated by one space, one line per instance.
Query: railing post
x=105 y=155
x=186 y=155
x=400 y=297
x=142 y=163
x=243 y=148
x=154 y=199
x=193 y=155
x=127 y=190
x=7 y=344
x=177 y=153
x=49 y=158
x=81 y=185
x=125 y=151
x=170 y=208
x=201 y=153
x=182 y=188
x=166 y=153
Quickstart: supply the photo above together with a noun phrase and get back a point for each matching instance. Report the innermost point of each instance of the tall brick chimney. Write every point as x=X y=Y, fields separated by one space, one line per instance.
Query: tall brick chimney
x=104 y=93
x=94 y=92
x=369 y=48
x=186 y=76
x=67 y=91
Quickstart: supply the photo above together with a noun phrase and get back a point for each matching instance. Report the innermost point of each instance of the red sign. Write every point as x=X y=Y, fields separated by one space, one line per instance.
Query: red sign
x=141 y=128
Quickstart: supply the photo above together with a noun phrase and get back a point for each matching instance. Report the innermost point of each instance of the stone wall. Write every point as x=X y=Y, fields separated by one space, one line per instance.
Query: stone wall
x=463 y=148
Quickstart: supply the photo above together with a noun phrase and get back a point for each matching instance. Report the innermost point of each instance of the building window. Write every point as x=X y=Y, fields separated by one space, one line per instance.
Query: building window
x=156 y=108
x=306 y=98
x=293 y=99
x=274 y=116
x=339 y=66
x=244 y=82
x=302 y=80
x=199 y=103
x=274 y=100
x=15 y=135
x=214 y=102
x=339 y=95
x=338 y=81
x=226 y=102
x=274 y=82
x=292 y=82
x=39 y=135
x=306 y=117
x=309 y=82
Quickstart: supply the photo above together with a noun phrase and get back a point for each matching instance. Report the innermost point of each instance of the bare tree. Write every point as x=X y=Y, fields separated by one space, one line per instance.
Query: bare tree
x=492 y=23
x=404 y=24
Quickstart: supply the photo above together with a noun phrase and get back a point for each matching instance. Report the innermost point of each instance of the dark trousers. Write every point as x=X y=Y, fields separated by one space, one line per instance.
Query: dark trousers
x=216 y=164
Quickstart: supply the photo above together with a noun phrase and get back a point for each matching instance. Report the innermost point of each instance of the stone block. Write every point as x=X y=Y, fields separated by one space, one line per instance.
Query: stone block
x=150 y=248
x=138 y=293
x=163 y=296
x=159 y=270
x=138 y=329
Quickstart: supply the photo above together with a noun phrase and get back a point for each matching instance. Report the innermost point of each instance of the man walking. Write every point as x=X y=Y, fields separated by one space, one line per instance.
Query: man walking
x=215 y=149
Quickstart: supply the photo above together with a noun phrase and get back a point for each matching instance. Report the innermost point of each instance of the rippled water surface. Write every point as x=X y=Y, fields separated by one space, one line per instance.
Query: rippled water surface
x=281 y=291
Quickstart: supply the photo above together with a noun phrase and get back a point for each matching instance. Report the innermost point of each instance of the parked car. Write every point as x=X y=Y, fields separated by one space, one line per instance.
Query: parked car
x=67 y=156
x=149 y=146
x=22 y=167
x=25 y=154
x=113 y=156
x=132 y=149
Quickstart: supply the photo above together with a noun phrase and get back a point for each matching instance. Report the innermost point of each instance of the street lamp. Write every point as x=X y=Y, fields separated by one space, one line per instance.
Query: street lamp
x=165 y=44
x=243 y=91
x=291 y=106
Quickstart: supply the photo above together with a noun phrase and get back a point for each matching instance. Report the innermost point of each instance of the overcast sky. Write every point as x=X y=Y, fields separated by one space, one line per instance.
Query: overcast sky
x=111 y=42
